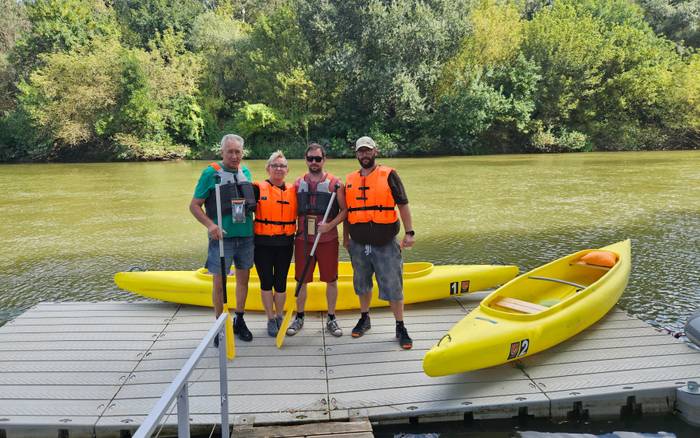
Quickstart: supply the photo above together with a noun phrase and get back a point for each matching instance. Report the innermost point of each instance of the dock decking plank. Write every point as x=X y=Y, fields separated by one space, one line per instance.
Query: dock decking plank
x=103 y=366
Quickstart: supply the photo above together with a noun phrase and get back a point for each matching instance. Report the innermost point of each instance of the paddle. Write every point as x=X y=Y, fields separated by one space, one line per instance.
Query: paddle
x=230 y=346
x=282 y=333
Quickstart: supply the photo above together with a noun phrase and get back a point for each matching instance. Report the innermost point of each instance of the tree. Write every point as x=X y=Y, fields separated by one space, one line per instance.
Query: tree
x=380 y=60
x=13 y=22
x=678 y=20
x=141 y=20
x=64 y=108
x=605 y=74
x=61 y=26
x=217 y=38
x=137 y=104
x=485 y=92
x=277 y=70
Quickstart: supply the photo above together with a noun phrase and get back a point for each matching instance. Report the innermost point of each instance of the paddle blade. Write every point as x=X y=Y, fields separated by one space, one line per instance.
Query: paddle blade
x=230 y=346
x=282 y=333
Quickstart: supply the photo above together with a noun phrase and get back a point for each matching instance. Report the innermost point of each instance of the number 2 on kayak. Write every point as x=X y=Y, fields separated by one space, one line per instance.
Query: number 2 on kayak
x=518 y=349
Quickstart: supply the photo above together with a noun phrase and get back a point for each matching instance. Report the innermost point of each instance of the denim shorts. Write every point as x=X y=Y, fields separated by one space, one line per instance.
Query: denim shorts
x=385 y=262
x=237 y=251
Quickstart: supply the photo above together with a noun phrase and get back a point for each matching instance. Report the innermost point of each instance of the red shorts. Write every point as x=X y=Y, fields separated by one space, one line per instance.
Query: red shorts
x=326 y=255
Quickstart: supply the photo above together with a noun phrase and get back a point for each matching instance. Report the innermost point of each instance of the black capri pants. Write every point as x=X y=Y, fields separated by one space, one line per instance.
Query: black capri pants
x=272 y=264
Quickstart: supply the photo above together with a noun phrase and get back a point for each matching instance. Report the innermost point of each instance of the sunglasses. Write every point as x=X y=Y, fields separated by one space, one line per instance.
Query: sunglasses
x=312 y=159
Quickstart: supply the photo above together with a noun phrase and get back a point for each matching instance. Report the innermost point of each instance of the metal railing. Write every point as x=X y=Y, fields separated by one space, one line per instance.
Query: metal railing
x=178 y=389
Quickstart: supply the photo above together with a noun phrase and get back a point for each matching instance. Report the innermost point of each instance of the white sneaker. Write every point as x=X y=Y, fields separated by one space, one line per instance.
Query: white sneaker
x=295 y=326
x=334 y=328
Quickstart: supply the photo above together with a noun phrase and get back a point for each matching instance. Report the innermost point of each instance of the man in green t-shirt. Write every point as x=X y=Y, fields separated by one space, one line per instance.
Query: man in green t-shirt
x=238 y=204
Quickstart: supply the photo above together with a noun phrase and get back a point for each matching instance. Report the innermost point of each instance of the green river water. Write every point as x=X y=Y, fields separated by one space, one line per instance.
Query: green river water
x=67 y=228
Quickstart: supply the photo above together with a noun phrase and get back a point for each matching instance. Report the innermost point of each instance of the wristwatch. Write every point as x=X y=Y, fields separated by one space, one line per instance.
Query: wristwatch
x=410 y=233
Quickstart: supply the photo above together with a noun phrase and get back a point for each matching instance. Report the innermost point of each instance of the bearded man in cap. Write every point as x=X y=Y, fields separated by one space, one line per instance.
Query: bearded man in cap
x=373 y=194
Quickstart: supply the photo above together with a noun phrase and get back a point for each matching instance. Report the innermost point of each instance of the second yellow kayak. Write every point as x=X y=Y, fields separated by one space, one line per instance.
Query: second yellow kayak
x=534 y=312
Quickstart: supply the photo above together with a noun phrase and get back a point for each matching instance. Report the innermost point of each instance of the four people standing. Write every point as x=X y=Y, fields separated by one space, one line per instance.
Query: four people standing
x=368 y=205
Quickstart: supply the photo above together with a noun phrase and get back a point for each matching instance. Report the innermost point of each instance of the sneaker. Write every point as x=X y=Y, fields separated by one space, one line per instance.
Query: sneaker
x=279 y=320
x=272 y=327
x=240 y=329
x=405 y=341
x=362 y=326
x=295 y=326
x=216 y=341
x=333 y=328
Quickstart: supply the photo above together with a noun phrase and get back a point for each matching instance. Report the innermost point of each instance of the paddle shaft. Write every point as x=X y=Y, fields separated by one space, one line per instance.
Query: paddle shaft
x=287 y=317
x=222 y=256
x=300 y=282
x=230 y=350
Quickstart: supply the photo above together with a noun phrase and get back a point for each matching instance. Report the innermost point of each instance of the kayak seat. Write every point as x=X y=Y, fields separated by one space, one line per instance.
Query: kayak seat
x=519 y=305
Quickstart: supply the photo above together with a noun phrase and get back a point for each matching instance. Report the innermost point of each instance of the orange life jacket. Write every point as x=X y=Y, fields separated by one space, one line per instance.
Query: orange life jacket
x=276 y=212
x=369 y=198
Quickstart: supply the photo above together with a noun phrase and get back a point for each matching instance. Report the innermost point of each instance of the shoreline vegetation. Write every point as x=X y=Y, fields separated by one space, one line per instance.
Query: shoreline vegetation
x=139 y=80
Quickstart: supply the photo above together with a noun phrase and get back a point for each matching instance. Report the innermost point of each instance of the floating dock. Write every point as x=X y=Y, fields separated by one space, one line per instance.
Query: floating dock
x=97 y=369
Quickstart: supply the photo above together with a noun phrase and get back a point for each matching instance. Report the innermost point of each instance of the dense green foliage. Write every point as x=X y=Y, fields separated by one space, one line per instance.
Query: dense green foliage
x=162 y=79
x=678 y=20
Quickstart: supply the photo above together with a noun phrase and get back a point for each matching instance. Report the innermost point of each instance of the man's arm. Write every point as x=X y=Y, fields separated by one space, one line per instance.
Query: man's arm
x=405 y=212
x=346 y=233
x=399 y=193
x=214 y=230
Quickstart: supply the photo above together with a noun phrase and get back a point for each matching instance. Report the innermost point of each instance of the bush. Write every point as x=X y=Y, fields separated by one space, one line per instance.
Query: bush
x=573 y=141
x=544 y=140
x=130 y=147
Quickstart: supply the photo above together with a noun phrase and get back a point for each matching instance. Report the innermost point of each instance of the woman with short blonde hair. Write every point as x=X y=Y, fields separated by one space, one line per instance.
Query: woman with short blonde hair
x=275 y=226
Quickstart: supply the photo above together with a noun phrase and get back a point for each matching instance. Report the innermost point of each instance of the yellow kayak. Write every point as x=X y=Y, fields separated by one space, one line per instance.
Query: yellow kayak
x=422 y=282
x=534 y=312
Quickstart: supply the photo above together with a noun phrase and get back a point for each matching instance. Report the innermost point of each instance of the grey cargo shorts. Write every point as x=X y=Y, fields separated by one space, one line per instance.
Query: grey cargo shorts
x=385 y=262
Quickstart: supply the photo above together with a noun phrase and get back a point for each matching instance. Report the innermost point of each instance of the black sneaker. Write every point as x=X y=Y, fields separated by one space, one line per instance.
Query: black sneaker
x=362 y=326
x=216 y=341
x=240 y=329
x=405 y=341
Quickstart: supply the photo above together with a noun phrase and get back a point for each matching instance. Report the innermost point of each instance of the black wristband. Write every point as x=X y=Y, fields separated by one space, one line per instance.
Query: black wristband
x=410 y=233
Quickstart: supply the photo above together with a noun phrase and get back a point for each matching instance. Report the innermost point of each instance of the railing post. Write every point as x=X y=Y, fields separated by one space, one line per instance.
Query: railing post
x=223 y=384
x=178 y=388
x=183 y=413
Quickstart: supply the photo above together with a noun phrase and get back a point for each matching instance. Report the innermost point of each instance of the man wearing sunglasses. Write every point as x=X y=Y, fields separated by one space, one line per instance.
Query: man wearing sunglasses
x=314 y=191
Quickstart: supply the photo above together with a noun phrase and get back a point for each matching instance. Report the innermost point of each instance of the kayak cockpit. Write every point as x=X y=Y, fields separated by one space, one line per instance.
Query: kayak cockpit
x=551 y=285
